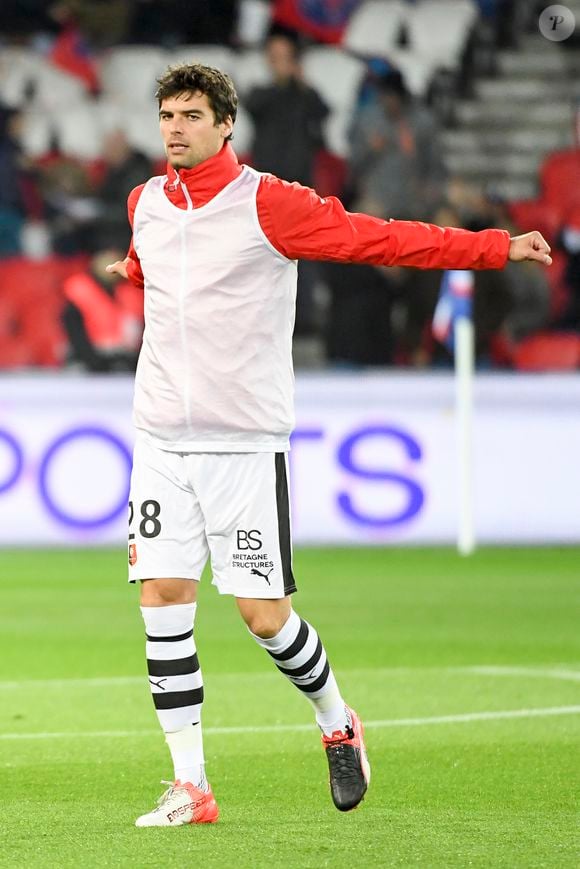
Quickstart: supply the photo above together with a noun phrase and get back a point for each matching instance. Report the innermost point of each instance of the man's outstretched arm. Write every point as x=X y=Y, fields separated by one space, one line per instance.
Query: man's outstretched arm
x=302 y=225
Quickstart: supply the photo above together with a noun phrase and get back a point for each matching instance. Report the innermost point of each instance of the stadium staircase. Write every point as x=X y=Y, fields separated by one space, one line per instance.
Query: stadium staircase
x=516 y=117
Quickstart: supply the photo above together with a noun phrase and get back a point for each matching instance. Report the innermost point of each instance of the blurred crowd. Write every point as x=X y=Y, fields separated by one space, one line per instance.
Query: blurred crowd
x=58 y=209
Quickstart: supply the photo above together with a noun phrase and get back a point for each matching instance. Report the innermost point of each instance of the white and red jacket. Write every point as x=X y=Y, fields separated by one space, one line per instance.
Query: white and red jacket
x=215 y=248
x=112 y=323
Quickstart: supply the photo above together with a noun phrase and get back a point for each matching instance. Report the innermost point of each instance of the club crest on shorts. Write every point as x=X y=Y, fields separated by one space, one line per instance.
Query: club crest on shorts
x=132 y=554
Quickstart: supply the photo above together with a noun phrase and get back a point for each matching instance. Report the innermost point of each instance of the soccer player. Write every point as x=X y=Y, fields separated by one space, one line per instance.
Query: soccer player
x=215 y=246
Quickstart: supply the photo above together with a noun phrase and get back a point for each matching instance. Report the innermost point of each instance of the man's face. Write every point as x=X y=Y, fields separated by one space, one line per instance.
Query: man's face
x=189 y=130
x=281 y=56
x=392 y=103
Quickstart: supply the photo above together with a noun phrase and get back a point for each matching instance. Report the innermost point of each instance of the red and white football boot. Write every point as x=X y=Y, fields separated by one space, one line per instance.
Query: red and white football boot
x=182 y=803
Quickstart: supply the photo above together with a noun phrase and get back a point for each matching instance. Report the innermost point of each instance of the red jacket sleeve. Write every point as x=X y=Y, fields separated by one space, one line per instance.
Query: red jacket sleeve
x=302 y=225
x=134 y=271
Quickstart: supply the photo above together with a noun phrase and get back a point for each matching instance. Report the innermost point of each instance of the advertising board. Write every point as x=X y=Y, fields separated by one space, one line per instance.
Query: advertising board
x=373 y=459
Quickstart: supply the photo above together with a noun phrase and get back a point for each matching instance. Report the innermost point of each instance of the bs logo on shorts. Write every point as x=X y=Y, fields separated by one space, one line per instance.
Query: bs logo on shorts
x=249 y=539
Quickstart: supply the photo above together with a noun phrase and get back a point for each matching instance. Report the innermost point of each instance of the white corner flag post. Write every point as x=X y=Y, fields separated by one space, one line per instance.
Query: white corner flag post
x=453 y=326
x=464 y=373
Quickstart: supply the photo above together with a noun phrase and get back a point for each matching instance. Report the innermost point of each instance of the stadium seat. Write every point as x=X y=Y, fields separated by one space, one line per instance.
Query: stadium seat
x=26 y=77
x=336 y=132
x=79 y=132
x=32 y=292
x=337 y=77
x=14 y=352
x=254 y=17
x=374 y=28
x=560 y=180
x=55 y=89
x=37 y=133
x=330 y=174
x=129 y=73
x=417 y=69
x=530 y=214
x=251 y=71
x=548 y=351
x=142 y=130
x=211 y=55
x=19 y=69
x=111 y=114
x=438 y=30
x=334 y=74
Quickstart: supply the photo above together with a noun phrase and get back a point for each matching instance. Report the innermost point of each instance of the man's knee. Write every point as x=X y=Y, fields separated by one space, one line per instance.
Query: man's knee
x=168 y=592
x=265 y=618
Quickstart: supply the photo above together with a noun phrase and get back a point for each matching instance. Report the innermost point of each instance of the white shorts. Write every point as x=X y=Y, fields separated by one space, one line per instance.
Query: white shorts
x=233 y=507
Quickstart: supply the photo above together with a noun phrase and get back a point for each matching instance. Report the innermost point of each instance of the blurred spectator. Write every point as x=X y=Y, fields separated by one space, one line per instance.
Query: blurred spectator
x=528 y=285
x=570 y=242
x=103 y=317
x=71 y=50
x=560 y=175
x=71 y=206
x=287 y=115
x=123 y=169
x=465 y=199
x=176 y=22
x=489 y=8
x=85 y=25
x=396 y=155
x=492 y=303
x=359 y=329
x=369 y=92
x=22 y=18
x=88 y=26
x=529 y=309
x=12 y=177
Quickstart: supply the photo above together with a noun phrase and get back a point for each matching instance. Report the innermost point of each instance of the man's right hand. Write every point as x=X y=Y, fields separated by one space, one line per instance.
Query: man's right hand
x=119 y=268
x=530 y=247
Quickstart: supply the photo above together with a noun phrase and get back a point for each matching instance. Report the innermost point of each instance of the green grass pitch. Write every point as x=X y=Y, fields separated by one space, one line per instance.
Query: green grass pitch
x=434 y=651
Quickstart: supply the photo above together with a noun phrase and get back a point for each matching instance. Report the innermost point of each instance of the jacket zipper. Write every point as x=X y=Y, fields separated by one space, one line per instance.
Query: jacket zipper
x=182 y=328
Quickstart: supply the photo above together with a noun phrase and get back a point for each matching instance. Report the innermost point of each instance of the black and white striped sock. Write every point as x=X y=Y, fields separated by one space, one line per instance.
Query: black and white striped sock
x=298 y=652
x=176 y=685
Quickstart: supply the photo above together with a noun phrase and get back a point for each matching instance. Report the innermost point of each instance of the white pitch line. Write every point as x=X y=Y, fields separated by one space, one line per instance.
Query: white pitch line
x=96 y=682
x=265 y=675
x=483 y=670
x=534 y=672
x=461 y=718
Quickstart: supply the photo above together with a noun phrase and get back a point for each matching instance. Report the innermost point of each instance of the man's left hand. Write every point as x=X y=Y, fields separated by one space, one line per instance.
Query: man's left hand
x=119 y=268
x=531 y=247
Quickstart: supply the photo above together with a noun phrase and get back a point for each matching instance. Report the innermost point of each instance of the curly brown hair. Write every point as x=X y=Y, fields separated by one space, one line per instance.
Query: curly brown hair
x=197 y=78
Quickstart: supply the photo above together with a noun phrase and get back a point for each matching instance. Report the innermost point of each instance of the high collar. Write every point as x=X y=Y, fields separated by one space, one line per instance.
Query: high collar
x=206 y=179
